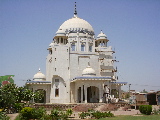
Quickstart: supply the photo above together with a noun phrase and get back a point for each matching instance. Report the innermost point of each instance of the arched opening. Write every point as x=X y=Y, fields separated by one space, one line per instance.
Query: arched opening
x=82 y=47
x=50 y=52
x=90 y=48
x=79 y=95
x=96 y=44
x=92 y=94
x=57 y=40
x=40 y=96
x=115 y=92
x=73 y=47
x=61 y=40
x=58 y=92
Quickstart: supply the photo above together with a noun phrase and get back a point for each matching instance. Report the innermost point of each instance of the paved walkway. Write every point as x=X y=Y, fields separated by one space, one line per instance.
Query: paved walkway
x=12 y=116
x=129 y=112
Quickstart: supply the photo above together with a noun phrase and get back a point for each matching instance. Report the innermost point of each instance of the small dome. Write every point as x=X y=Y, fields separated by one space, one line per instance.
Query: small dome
x=101 y=36
x=88 y=71
x=60 y=32
x=51 y=44
x=39 y=76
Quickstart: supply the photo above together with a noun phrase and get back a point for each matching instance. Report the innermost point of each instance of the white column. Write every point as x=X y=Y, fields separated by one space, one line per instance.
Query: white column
x=82 y=94
x=85 y=90
x=63 y=40
x=78 y=42
x=76 y=94
x=68 y=92
x=100 y=93
x=86 y=46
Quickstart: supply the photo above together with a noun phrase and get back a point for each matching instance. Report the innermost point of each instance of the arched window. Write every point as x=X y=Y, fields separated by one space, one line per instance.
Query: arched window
x=73 y=47
x=57 y=92
x=101 y=44
x=96 y=44
x=90 y=48
x=50 y=51
x=58 y=41
x=82 y=47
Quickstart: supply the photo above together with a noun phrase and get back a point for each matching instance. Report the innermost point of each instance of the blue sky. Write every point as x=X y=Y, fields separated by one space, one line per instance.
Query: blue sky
x=27 y=27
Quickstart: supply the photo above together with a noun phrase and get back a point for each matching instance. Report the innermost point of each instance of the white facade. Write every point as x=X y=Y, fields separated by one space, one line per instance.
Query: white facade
x=79 y=67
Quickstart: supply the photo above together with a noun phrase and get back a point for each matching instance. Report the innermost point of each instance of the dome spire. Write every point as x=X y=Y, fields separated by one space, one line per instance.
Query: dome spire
x=75 y=11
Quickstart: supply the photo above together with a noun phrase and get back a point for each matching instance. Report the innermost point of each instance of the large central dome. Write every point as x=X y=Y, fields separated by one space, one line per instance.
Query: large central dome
x=76 y=23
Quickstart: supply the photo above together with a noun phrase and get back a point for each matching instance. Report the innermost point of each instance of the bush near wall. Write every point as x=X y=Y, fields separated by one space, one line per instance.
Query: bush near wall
x=145 y=109
x=28 y=113
x=95 y=114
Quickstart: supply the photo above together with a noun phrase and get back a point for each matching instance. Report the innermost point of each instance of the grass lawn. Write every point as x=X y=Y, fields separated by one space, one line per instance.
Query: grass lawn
x=127 y=117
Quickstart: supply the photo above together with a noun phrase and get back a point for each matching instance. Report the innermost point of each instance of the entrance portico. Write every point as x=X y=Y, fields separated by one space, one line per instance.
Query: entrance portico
x=89 y=89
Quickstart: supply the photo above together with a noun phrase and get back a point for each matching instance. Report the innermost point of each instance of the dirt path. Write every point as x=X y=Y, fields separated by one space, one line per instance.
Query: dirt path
x=12 y=116
x=129 y=112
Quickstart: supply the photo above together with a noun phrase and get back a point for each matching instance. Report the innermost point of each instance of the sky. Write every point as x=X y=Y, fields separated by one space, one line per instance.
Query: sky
x=27 y=27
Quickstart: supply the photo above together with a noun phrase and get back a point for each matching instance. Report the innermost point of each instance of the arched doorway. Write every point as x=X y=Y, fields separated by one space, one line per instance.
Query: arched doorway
x=92 y=94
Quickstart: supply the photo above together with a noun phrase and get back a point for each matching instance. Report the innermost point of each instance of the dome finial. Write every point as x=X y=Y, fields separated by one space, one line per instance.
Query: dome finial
x=75 y=11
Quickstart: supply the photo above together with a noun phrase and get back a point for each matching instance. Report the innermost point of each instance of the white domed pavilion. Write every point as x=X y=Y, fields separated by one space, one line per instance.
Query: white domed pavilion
x=69 y=77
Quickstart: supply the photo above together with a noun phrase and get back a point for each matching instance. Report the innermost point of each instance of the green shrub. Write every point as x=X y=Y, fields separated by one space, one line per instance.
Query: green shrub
x=145 y=109
x=3 y=116
x=84 y=115
x=58 y=114
x=55 y=114
x=95 y=114
x=38 y=113
x=18 y=106
x=98 y=114
x=32 y=113
x=26 y=113
x=69 y=112
x=46 y=117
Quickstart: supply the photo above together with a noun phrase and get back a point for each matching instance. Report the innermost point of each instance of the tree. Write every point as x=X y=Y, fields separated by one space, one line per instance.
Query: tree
x=7 y=95
x=127 y=95
x=39 y=96
x=10 y=94
x=144 y=91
